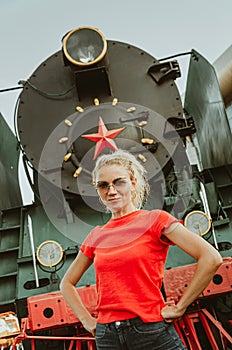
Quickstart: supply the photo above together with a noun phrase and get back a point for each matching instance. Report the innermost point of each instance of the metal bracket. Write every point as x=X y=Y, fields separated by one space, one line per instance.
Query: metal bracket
x=183 y=127
x=161 y=72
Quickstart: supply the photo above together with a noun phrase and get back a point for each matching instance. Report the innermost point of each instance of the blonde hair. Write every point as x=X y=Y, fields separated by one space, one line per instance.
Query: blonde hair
x=134 y=168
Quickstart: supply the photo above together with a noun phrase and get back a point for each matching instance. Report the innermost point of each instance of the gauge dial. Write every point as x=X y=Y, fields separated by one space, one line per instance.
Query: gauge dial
x=49 y=253
x=198 y=222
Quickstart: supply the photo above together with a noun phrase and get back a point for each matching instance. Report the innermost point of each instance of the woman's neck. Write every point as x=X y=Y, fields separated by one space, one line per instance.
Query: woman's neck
x=123 y=212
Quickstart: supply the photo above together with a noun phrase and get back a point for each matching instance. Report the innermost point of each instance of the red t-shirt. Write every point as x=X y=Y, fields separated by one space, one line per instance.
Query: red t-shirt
x=129 y=257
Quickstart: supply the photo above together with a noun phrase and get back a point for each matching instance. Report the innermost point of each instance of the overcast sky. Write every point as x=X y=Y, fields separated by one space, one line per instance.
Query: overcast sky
x=31 y=31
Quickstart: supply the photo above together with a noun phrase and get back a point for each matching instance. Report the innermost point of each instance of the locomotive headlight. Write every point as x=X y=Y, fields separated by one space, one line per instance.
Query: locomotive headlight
x=84 y=46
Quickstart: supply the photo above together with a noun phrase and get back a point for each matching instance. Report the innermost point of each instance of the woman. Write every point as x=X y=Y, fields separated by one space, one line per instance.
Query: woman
x=129 y=254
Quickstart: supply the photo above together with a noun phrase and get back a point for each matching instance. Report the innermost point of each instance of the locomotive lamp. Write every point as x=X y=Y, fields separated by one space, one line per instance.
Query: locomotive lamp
x=49 y=253
x=198 y=222
x=85 y=52
x=84 y=46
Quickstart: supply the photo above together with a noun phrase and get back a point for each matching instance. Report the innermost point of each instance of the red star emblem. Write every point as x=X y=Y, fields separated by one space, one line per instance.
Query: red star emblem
x=103 y=138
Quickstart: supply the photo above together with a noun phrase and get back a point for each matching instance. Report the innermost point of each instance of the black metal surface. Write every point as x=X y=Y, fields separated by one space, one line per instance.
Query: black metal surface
x=203 y=102
x=43 y=108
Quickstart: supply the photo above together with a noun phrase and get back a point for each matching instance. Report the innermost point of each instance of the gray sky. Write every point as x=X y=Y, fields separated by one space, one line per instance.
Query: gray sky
x=32 y=30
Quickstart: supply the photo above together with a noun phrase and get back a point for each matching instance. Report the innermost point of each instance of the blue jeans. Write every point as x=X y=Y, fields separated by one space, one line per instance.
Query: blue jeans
x=134 y=334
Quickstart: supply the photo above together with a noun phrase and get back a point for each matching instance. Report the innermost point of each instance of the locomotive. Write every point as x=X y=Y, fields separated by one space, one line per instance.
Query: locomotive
x=91 y=97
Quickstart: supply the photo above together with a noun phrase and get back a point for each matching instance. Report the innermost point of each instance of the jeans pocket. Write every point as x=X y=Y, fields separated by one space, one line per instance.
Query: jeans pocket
x=100 y=330
x=149 y=327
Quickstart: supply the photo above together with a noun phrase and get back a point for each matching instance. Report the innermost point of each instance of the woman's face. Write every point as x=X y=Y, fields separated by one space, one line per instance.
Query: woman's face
x=115 y=188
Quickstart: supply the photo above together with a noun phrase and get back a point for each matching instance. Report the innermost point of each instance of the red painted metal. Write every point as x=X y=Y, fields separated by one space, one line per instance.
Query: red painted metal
x=222 y=280
x=218 y=325
x=76 y=341
x=50 y=310
x=185 y=327
x=187 y=330
x=176 y=280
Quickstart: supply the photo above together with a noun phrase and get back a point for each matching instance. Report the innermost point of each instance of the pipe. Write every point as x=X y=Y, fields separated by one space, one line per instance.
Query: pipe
x=33 y=250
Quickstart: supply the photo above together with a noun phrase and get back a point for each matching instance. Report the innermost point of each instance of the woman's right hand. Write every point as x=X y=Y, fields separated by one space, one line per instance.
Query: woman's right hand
x=90 y=325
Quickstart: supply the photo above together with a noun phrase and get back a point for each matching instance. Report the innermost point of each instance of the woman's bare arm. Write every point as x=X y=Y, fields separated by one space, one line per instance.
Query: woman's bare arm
x=68 y=289
x=208 y=260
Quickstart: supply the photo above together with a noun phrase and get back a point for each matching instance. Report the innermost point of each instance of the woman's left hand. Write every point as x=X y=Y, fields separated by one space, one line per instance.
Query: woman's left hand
x=170 y=312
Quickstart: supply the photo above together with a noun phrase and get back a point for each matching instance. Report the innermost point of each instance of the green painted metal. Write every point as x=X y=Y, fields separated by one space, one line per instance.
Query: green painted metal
x=17 y=273
x=9 y=247
x=203 y=102
x=9 y=156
